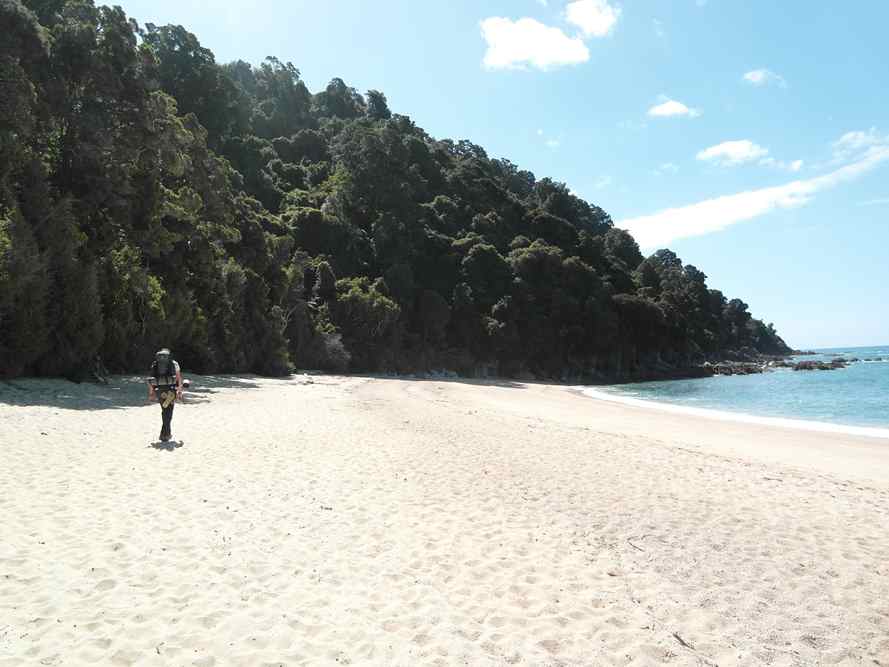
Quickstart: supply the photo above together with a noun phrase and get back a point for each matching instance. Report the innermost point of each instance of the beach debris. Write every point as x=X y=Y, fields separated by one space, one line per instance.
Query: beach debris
x=685 y=644
x=638 y=548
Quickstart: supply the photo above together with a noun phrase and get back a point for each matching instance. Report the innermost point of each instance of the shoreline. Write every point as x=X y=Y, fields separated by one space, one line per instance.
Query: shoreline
x=597 y=393
x=120 y=390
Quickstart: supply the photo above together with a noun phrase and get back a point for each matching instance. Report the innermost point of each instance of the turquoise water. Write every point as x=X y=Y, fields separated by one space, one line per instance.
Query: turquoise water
x=854 y=396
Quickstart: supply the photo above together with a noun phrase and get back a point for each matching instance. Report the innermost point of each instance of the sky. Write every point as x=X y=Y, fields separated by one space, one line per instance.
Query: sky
x=750 y=137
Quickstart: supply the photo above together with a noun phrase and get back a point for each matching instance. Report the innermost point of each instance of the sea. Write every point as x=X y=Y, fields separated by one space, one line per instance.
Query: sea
x=854 y=399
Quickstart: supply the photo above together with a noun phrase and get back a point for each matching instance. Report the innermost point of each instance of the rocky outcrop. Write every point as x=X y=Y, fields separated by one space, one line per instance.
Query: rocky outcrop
x=767 y=363
x=736 y=367
x=832 y=365
x=656 y=369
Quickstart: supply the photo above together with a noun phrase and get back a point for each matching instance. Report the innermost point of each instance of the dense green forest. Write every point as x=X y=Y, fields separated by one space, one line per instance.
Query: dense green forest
x=150 y=196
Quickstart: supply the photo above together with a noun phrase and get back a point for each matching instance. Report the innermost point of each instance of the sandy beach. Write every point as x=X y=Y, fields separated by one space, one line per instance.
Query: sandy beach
x=411 y=522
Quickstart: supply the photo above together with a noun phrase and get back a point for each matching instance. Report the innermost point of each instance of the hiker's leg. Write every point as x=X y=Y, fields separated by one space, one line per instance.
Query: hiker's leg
x=168 y=419
x=160 y=402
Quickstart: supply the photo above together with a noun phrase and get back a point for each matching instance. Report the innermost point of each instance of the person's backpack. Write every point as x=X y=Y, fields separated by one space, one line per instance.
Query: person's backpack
x=163 y=369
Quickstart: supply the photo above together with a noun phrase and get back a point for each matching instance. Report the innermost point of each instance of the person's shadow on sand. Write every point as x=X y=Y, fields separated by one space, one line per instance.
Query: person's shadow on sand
x=168 y=446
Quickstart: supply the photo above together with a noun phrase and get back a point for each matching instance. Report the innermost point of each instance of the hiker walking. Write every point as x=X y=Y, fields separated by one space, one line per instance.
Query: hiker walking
x=165 y=384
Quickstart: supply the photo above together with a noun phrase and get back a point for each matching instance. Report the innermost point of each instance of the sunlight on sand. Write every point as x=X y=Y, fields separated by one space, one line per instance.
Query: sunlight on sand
x=394 y=522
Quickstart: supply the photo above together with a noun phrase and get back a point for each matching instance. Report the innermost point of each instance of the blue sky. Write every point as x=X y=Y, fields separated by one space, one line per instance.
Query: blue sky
x=751 y=137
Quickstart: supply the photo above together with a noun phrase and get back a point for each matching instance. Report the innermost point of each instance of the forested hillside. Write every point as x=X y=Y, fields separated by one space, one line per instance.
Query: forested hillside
x=150 y=196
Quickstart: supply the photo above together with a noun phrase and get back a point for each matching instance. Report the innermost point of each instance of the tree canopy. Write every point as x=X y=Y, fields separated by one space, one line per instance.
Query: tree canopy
x=151 y=196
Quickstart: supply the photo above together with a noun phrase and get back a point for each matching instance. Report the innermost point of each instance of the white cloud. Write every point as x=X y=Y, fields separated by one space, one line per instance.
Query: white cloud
x=762 y=77
x=553 y=143
x=672 y=108
x=732 y=153
x=713 y=215
x=596 y=18
x=796 y=165
x=516 y=44
x=602 y=183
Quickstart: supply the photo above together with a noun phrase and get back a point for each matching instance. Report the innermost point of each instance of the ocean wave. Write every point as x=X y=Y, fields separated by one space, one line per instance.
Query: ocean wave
x=802 y=424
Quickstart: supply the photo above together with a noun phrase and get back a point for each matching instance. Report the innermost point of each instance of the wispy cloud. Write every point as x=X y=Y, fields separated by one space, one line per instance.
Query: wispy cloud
x=732 y=153
x=551 y=142
x=852 y=143
x=794 y=166
x=603 y=183
x=713 y=215
x=666 y=168
x=659 y=28
x=670 y=107
x=596 y=18
x=528 y=42
x=880 y=201
x=764 y=77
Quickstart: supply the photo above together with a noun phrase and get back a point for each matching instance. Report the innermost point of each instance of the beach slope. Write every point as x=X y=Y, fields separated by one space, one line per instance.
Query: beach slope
x=411 y=522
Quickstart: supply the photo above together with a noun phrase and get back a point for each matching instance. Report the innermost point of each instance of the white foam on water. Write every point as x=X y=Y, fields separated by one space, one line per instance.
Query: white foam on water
x=805 y=425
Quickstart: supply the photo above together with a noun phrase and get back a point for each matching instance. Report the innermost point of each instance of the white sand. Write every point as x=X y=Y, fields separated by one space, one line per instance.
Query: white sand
x=391 y=522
